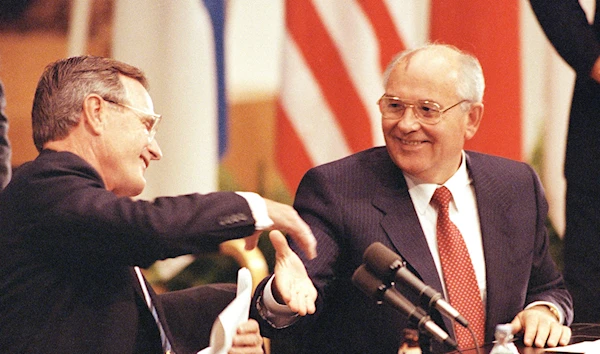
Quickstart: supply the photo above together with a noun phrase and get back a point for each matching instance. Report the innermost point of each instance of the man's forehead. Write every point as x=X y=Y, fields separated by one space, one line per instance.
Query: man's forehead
x=427 y=69
x=135 y=91
x=428 y=59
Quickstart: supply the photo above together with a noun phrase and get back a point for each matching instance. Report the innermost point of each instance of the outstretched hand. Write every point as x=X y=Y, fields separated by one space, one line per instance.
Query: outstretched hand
x=292 y=284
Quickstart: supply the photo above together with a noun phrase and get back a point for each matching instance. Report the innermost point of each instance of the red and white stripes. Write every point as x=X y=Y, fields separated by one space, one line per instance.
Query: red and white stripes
x=333 y=59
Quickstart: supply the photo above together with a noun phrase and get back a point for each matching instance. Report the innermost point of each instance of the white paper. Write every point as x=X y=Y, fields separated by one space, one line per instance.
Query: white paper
x=580 y=348
x=225 y=326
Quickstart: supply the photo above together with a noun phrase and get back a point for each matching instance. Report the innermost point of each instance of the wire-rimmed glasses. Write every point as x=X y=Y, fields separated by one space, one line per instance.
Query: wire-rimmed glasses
x=150 y=120
x=427 y=112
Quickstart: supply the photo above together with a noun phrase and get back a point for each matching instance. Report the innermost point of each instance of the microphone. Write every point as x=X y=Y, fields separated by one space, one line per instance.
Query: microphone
x=375 y=289
x=389 y=266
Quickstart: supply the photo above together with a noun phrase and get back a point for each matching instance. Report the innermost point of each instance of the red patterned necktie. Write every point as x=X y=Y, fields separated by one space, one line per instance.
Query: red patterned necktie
x=459 y=275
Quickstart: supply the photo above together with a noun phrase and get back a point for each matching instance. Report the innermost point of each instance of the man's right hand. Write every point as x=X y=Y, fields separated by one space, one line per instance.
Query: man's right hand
x=595 y=74
x=286 y=219
x=292 y=285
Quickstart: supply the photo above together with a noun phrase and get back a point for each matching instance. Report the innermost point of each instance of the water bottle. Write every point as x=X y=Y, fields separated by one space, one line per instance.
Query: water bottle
x=503 y=343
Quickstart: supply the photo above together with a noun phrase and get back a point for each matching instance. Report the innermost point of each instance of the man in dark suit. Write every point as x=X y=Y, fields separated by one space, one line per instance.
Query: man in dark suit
x=432 y=104
x=72 y=239
x=578 y=42
x=5 y=151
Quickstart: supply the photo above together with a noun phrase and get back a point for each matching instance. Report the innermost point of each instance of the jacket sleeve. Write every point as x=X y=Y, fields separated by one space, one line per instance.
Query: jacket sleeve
x=546 y=283
x=569 y=31
x=69 y=217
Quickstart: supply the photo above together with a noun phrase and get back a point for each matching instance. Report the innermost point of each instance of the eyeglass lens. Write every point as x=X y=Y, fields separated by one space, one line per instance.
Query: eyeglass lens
x=394 y=108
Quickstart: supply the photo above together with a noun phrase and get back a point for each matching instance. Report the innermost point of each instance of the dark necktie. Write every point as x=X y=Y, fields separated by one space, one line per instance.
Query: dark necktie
x=459 y=275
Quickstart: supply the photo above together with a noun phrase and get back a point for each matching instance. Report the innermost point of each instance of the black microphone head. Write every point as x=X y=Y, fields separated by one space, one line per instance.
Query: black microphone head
x=372 y=286
x=382 y=261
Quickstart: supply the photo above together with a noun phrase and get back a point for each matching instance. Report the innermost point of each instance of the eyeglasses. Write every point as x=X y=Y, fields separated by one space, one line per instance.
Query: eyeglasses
x=427 y=112
x=150 y=120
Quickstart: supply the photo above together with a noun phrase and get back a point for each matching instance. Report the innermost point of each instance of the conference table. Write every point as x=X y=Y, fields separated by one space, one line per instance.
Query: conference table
x=581 y=332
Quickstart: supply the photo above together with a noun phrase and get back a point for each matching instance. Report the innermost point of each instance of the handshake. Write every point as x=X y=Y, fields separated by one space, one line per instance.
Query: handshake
x=376 y=277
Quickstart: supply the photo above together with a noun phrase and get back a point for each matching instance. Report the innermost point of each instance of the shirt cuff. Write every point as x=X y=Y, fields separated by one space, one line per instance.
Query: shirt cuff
x=556 y=311
x=271 y=304
x=257 y=204
x=277 y=315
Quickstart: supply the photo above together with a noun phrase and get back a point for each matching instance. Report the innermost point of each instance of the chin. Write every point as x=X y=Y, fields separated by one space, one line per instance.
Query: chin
x=136 y=193
x=412 y=167
x=138 y=190
x=131 y=189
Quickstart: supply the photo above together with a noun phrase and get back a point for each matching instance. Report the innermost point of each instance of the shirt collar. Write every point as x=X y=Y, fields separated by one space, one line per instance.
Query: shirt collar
x=421 y=192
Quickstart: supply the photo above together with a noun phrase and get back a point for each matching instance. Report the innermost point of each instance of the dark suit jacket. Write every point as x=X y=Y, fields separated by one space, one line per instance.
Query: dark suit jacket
x=67 y=247
x=361 y=199
x=578 y=42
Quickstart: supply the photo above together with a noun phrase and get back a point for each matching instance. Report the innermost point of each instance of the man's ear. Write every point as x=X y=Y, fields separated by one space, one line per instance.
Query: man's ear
x=92 y=114
x=474 y=119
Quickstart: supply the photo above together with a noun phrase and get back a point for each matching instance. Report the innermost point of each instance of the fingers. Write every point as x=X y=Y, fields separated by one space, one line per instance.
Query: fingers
x=302 y=301
x=293 y=286
x=540 y=328
x=526 y=323
x=250 y=326
x=279 y=243
x=302 y=297
x=306 y=240
x=565 y=336
x=252 y=241
x=540 y=333
x=559 y=335
x=247 y=339
x=548 y=335
x=286 y=218
x=516 y=325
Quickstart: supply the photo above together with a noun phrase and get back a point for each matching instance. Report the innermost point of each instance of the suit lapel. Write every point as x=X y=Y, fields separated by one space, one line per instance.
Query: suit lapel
x=402 y=226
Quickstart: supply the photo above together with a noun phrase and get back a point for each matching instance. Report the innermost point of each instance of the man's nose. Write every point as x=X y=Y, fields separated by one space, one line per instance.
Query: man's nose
x=155 y=150
x=409 y=118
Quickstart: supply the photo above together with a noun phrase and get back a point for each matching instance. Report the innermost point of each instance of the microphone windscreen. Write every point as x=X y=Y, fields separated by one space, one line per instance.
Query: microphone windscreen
x=382 y=260
x=367 y=282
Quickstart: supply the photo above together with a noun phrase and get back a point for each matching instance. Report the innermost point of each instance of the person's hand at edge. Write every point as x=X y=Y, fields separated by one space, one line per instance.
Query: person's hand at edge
x=292 y=285
x=595 y=74
x=540 y=328
x=247 y=339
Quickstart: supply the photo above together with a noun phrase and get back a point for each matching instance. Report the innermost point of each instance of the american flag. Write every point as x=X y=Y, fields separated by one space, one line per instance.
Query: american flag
x=334 y=54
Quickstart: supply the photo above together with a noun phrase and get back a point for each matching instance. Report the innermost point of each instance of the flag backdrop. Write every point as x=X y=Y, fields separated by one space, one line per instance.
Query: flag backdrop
x=334 y=56
x=334 y=52
x=488 y=29
x=179 y=45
